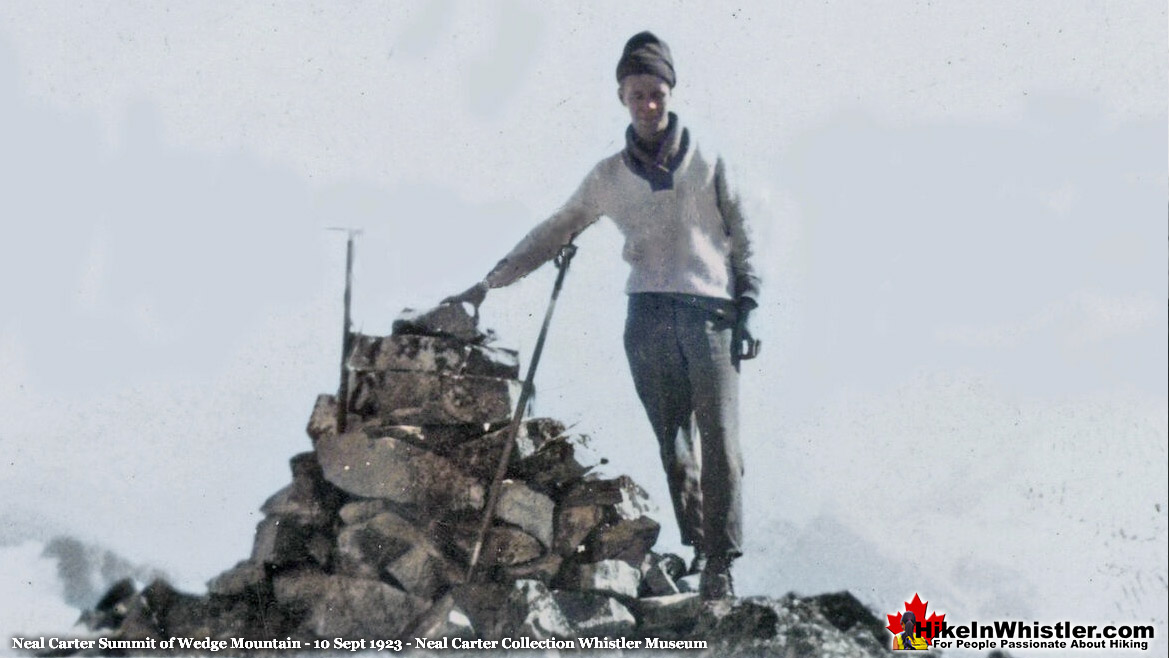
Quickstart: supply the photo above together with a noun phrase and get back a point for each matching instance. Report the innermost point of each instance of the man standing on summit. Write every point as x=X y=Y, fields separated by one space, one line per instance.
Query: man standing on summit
x=691 y=288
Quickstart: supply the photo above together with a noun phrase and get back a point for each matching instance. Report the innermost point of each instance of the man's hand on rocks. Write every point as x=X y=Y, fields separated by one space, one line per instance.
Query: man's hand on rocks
x=473 y=296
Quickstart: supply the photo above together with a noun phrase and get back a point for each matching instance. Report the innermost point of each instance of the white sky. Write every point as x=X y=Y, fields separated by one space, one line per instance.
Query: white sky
x=961 y=215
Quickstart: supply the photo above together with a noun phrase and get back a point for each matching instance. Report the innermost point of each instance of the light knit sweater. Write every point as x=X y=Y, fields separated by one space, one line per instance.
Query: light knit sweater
x=690 y=239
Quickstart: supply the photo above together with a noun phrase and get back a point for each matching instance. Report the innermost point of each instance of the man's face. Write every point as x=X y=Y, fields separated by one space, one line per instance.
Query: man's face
x=648 y=97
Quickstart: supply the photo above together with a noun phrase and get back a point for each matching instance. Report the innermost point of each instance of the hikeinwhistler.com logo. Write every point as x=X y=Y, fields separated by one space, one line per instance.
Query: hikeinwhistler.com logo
x=913 y=630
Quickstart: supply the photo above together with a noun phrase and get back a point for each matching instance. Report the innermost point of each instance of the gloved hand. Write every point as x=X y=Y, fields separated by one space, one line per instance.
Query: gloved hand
x=743 y=342
x=473 y=295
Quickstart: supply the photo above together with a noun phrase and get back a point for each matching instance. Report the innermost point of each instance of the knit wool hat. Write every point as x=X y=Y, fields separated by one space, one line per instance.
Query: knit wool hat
x=645 y=53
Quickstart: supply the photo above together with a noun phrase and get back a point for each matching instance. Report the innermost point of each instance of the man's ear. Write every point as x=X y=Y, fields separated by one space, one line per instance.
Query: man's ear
x=620 y=96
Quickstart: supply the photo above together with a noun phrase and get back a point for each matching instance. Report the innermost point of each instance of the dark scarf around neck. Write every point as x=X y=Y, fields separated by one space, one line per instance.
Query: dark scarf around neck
x=657 y=167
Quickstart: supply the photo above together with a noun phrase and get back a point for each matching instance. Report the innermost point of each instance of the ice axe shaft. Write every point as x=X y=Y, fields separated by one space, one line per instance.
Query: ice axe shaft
x=346 y=330
x=563 y=258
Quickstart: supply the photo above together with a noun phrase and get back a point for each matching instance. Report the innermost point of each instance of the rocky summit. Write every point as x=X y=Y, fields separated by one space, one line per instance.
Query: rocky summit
x=371 y=540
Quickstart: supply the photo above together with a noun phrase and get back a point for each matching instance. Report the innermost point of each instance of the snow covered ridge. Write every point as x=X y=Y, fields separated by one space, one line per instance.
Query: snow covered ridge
x=372 y=539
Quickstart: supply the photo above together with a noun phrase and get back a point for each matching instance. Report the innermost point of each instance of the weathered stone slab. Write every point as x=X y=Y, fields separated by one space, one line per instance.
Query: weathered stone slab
x=245 y=576
x=595 y=615
x=573 y=524
x=385 y=467
x=388 y=546
x=423 y=398
x=671 y=612
x=341 y=606
x=503 y=546
x=596 y=491
x=530 y=510
x=324 y=417
x=509 y=546
x=441 y=439
x=625 y=497
x=606 y=576
x=629 y=540
x=543 y=569
x=363 y=509
x=432 y=354
x=454 y=320
x=480 y=457
x=443 y=619
x=537 y=613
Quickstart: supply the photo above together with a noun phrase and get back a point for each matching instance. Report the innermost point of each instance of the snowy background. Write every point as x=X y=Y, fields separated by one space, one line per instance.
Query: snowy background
x=960 y=211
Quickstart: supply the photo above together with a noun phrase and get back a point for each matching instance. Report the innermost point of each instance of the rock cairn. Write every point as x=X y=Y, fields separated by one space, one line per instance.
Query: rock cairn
x=372 y=537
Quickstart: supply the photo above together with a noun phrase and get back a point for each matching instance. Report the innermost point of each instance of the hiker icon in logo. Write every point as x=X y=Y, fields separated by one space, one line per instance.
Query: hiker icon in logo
x=912 y=628
x=909 y=639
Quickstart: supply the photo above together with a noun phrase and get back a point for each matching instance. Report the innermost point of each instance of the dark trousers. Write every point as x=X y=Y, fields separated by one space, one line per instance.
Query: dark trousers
x=680 y=356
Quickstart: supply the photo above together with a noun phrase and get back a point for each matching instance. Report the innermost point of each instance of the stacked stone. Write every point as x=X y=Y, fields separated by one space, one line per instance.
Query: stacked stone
x=567 y=552
x=372 y=538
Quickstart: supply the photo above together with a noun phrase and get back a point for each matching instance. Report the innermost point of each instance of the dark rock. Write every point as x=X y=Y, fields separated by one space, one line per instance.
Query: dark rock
x=629 y=540
x=558 y=464
x=441 y=439
x=573 y=524
x=480 y=457
x=432 y=354
x=253 y=617
x=423 y=398
x=454 y=320
x=846 y=613
x=388 y=546
x=502 y=546
x=543 y=569
x=509 y=547
x=738 y=619
x=668 y=615
x=247 y=575
x=144 y=615
x=287 y=541
x=341 y=606
x=761 y=626
x=323 y=420
x=595 y=615
x=112 y=607
x=657 y=575
x=309 y=498
x=626 y=498
x=387 y=468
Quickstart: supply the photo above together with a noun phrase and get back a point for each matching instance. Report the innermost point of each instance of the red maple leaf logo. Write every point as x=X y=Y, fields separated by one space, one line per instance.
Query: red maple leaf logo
x=918 y=608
